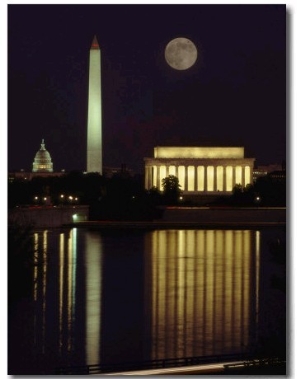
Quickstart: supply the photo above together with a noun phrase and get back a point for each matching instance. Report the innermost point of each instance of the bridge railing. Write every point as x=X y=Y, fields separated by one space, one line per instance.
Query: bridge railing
x=148 y=364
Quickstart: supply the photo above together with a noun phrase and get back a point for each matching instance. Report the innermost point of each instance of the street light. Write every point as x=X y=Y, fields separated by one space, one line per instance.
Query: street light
x=257 y=199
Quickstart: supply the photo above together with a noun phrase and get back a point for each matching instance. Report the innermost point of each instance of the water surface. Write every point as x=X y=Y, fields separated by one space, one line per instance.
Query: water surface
x=114 y=296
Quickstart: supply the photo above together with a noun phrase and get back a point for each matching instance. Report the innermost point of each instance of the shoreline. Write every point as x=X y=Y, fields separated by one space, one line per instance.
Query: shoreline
x=152 y=225
x=200 y=217
x=171 y=218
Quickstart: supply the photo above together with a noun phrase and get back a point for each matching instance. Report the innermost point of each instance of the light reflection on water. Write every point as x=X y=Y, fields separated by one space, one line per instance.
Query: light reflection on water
x=93 y=267
x=202 y=283
x=113 y=297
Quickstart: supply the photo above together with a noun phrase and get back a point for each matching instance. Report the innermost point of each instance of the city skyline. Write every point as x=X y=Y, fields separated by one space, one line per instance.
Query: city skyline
x=234 y=95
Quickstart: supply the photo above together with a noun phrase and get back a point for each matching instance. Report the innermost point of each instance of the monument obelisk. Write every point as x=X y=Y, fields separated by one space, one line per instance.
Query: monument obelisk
x=94 y=119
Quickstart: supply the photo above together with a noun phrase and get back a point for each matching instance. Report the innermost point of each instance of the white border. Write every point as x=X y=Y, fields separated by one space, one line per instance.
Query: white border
x=293 y=69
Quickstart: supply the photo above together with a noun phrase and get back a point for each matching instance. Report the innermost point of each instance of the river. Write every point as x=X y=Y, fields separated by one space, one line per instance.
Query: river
x=123 y=295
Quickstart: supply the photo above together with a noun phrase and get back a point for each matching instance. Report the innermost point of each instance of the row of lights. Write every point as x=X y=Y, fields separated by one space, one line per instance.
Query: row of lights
x=62 y=198
x=68 y=198
x=36 y=198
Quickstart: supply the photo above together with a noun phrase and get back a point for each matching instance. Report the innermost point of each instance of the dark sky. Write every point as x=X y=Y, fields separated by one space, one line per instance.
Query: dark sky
x=235 y=94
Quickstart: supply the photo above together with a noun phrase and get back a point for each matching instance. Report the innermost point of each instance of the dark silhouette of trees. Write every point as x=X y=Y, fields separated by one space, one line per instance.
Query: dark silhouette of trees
x=243 y=196
x=271 y=190
x=123 y=197
x=267 y=191
x=171 y=190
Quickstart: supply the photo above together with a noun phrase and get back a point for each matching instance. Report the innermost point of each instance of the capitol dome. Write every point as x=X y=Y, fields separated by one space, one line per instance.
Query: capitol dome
x=42 y=161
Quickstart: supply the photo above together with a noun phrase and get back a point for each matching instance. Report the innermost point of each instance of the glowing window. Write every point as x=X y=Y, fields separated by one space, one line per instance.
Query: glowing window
x=200 y=172
x=238 y=175
x=191 y=178
x=181 y=176
x=229 y=177
x=220 y=178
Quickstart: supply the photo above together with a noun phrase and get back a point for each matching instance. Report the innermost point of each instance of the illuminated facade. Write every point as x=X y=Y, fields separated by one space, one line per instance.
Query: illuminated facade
x=94 y=119
x=200 y=170
x=42 y=161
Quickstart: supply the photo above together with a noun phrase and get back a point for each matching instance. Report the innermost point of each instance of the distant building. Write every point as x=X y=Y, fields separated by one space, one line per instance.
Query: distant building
x=264 y=170
x=42 y=166
x=123 y=171
x=200 y=170
x=278 y=176
x=42 y=161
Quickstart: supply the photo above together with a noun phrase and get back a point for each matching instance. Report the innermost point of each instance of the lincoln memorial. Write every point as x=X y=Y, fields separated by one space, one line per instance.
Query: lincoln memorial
x=200 y=170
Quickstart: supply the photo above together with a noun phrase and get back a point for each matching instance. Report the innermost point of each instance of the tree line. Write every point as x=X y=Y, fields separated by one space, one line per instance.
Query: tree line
x=124 y=197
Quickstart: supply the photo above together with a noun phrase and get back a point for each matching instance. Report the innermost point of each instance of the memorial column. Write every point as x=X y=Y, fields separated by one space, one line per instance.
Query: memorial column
x=243 y=177
x=224 y=178
x=214 y=179
x=233 y=176
x=158 y=178
x=186 y=181
x=251 y=174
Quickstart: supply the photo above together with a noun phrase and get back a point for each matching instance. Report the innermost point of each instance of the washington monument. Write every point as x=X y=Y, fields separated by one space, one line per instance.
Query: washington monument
x=94 y=119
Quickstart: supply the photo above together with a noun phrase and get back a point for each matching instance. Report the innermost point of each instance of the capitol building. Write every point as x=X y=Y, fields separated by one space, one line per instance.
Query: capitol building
x=42 y=160
x=42 y=166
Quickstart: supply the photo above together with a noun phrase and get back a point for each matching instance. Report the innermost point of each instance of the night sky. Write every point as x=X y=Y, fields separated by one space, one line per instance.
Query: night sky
x=235 y=94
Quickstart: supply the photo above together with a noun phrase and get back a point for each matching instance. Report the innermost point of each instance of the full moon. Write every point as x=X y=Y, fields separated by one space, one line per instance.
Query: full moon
x=181 y=53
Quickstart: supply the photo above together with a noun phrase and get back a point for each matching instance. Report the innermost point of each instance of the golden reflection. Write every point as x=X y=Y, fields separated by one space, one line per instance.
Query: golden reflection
x=40 y=243
x=257 y=260
x=44 y=281
x=35 y=268
x=61 y=286
x=72 y=257
x=67 y=288
x=201 y=285
x=35 y=280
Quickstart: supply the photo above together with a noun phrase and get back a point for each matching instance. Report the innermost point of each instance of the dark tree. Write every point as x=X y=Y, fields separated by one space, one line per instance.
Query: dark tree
x=171 y=189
